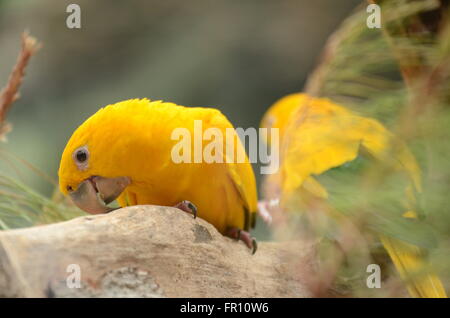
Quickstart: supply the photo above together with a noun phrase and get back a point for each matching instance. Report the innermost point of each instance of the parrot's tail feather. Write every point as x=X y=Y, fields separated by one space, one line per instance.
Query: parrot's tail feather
x=409 y=261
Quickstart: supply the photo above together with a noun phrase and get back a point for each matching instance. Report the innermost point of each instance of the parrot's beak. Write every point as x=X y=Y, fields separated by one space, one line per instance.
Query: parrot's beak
x=94 y=193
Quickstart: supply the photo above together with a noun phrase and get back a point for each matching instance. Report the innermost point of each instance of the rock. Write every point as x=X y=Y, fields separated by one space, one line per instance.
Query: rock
x=146 y=251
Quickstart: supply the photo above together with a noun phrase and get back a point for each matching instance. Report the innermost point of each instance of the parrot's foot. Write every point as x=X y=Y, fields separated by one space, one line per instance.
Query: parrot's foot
x=188 y=207
x=243 y=236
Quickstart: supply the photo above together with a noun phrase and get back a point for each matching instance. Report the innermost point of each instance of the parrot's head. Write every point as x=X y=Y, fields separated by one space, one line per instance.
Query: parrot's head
x=279 y=114
x=95 y=164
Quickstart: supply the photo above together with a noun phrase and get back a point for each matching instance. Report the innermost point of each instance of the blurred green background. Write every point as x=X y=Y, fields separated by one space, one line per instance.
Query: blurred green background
x=238 y=56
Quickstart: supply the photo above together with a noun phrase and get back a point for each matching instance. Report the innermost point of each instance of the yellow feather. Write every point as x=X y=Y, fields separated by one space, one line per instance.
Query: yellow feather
x=408 y=260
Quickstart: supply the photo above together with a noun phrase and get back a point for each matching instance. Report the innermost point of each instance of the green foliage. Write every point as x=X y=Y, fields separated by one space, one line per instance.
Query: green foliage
x=21 y=206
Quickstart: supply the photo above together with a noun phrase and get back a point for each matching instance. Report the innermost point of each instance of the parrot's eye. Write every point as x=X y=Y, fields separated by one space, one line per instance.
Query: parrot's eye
x=81 y=156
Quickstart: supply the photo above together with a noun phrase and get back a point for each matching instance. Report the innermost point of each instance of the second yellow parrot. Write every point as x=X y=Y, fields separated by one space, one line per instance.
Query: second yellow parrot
x=318 y=137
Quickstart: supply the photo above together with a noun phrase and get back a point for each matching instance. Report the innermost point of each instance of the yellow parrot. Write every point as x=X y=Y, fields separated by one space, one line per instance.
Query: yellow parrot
x=318 y=136
x=126 y=151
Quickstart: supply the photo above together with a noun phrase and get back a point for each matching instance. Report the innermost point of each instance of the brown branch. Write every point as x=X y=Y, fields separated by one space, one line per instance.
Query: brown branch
x=10 y=92
x=147 y=251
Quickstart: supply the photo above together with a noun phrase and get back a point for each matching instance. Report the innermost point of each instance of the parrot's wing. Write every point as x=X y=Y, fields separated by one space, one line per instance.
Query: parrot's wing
x=315 y=143
x=240 y=173
x=326 y=136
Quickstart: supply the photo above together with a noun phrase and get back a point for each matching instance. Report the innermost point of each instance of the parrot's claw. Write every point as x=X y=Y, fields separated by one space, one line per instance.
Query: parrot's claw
x=188 y=207
x=243 y=236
